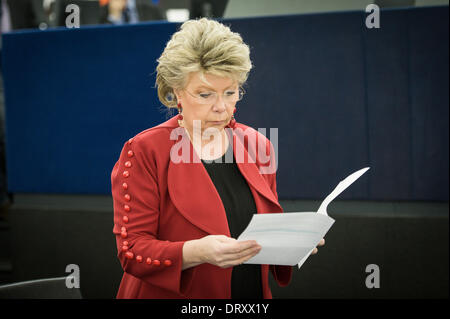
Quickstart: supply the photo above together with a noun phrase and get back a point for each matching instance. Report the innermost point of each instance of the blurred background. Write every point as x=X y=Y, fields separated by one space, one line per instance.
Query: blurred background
x=342 y=95
x=43 y=14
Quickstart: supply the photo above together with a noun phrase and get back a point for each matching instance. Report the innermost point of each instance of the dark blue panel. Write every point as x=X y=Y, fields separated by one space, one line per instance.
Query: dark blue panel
x=342 y=97
x=386 y=52
x=428 y=36
x=308 y=83
x=73 y=97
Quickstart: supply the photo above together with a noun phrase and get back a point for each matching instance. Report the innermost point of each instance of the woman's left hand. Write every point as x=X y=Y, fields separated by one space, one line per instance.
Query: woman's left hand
x=321 y=243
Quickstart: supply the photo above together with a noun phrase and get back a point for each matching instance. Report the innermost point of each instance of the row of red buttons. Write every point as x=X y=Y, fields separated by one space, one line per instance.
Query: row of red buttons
x=125 y=219
x=130 y=255
x=149 y=261
x=127 y=197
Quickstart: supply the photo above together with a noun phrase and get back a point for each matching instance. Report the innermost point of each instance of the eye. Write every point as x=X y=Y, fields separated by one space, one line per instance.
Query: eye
x=230 y=93
x=205 y=95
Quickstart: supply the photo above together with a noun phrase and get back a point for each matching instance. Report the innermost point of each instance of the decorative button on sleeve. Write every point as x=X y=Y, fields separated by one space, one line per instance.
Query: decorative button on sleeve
x=129 y=255
x=156 y=262
x=167 y=262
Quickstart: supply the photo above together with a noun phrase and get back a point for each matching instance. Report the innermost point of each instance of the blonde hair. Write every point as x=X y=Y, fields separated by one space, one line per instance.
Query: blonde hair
x=204 y=46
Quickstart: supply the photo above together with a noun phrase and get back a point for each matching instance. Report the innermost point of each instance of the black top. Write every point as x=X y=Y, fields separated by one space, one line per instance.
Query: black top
x=239 y=206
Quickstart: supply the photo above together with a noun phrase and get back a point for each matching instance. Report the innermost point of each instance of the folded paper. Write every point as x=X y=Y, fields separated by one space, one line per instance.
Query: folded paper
x=289 y=238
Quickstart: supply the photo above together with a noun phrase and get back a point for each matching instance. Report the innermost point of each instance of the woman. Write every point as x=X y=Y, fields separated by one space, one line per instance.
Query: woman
x=177 y=212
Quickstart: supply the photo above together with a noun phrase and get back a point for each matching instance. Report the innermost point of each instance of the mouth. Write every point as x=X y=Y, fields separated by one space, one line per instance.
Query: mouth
x=217 y=122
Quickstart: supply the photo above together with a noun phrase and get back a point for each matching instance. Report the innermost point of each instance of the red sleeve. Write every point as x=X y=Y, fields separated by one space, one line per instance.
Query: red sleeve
x=281 y=274
x=136 y=213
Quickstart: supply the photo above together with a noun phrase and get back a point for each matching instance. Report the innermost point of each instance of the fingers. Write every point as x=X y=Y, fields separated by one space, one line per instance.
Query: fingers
x=242 y=256
x=321 y=242
x=251 y=254
x=238 y=252
x=237 y=247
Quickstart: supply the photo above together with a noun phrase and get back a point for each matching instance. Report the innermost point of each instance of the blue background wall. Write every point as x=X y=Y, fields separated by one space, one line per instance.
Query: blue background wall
x=343 y=97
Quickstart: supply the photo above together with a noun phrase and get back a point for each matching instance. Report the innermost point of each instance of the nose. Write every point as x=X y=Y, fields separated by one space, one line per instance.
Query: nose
x=219 y=105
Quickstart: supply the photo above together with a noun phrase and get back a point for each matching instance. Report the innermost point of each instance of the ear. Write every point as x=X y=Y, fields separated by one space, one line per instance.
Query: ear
x=177 y=94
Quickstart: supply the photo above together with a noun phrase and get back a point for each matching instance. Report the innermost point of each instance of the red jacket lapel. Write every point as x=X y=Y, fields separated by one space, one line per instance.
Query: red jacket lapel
x=251 y=173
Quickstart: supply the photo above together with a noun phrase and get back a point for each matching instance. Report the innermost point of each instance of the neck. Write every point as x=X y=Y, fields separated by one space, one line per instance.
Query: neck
x=213 y=146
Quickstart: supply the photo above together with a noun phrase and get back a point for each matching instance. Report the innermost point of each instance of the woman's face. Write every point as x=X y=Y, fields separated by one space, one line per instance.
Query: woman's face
x=208 y=103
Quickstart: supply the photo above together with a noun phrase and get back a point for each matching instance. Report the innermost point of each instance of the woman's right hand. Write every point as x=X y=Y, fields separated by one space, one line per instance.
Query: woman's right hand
x=223 y=251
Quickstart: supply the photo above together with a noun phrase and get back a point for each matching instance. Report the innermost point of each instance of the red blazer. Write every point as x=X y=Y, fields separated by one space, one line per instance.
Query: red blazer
x=160 y=204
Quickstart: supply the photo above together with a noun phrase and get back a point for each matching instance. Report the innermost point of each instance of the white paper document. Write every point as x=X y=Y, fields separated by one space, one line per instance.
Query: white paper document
x=289 y=238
